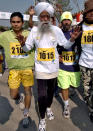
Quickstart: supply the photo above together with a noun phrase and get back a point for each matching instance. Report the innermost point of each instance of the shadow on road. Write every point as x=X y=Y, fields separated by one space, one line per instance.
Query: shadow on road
x=32 y=126
x=5 y=110
x=79 y=114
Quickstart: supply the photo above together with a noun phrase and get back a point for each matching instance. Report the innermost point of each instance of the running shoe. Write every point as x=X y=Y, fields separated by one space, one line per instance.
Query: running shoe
x=26 y=119
x=26 y=122
x=20 y=101
x=42 y=125
x=66 y=112
x=49 y=114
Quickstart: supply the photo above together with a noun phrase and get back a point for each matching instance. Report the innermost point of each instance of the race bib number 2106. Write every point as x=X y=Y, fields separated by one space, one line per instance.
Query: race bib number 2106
x=16 y=51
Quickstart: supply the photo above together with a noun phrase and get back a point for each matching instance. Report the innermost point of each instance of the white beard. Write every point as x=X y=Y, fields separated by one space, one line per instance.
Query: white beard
x=44 y=28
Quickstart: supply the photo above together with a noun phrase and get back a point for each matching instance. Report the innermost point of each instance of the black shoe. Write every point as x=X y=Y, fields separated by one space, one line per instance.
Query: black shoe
x=26 y=122
x=91 y=116
x=20 y=101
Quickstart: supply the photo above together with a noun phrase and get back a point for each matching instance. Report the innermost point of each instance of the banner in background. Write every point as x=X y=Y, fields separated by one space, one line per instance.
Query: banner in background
x=6 y=16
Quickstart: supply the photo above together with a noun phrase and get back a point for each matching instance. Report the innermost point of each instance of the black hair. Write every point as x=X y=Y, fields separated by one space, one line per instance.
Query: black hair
x=16 y=14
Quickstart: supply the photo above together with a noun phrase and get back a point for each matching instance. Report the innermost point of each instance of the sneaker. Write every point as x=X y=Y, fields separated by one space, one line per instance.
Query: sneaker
x=49 y=114
x=20 y=101
x=66 y=112
x=42 y=125
x=26 y=122
x=91 y=116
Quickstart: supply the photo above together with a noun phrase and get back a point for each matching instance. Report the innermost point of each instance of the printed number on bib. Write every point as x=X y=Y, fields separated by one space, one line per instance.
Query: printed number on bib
x=68 y=57
x=16 y=51
x=87 y=37
x=45 y=54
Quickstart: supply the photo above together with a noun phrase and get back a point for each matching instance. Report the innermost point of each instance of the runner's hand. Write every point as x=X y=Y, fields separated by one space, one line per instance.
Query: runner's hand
x=75 y=34
x=31 y=11
x=21 y=39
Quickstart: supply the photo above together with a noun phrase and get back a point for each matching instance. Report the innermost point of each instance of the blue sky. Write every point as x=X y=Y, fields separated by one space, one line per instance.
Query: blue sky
x=14 y=5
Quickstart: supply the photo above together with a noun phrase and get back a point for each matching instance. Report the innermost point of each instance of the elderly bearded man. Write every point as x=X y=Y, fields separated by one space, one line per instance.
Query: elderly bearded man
x=45 y=38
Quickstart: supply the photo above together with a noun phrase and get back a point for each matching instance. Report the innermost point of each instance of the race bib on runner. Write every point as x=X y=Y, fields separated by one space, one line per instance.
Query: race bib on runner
x=16 y=51
x=87 y=37
x=46 y=54
x=68 y=57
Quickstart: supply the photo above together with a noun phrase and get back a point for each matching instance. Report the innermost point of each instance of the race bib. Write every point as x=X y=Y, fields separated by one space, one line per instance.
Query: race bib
x=68 y=57
x=16 y=51
x=46 y=54
x=87 y=37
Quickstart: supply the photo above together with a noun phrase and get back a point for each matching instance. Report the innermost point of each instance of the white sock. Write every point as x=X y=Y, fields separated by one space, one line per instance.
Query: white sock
x=26 y=111
x=66 y=103
x=48 y=109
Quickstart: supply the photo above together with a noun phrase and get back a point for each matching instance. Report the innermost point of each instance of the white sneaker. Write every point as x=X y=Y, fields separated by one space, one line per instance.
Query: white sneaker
x=42 y=125
x=66 y=112
x=49 y=114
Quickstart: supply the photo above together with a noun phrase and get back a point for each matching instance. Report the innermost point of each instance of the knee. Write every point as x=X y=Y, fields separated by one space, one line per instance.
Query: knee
x=13 y=96
x=28 y=92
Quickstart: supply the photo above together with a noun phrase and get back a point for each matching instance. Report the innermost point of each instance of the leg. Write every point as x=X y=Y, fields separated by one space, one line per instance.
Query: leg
x=50 y=91
x=28 y=95
x=42 y=97
x=86 y=80
x=90 y=100
x=14 y=93
x=56 y=93
x=87 y=84
x=27 y=81
x=64 y=84
x=65 y=94
x=14 y=83
x=51 y=84
x=74 y=82
x=42 y=102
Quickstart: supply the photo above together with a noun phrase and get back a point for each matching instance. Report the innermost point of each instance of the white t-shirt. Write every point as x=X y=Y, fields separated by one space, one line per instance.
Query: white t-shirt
x=86 y=58
x=46 y=55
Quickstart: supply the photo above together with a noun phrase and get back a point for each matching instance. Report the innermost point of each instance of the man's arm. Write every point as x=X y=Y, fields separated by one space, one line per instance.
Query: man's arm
x=26 y=43
x=62 y=41
x=31 y=13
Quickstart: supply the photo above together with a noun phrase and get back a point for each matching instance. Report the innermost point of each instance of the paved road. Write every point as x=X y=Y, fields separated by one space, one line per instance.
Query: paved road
x=11 y=116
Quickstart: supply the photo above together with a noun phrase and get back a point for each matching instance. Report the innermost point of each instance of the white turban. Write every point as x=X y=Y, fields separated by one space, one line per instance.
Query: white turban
x=40 y=7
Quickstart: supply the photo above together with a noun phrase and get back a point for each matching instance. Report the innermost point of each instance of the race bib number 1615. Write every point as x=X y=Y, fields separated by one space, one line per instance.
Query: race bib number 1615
x=45 y=54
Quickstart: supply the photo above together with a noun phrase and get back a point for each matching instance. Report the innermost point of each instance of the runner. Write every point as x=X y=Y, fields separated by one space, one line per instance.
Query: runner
x=19 y=63
x=45 y=38
x=86 y=58
x=69 y=75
